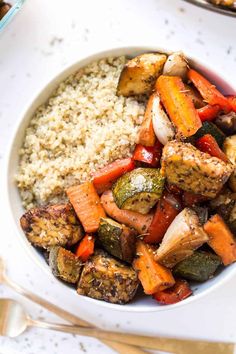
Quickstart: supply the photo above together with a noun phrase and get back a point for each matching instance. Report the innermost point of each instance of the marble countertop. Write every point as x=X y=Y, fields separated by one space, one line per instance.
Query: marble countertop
x=42 y=39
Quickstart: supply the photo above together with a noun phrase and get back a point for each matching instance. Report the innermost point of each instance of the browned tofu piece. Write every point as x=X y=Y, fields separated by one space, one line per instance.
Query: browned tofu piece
x=194 y=171
x=105 y=278
x=54 y=225
x=229 y=148
x=65 y=264
x=140 y=73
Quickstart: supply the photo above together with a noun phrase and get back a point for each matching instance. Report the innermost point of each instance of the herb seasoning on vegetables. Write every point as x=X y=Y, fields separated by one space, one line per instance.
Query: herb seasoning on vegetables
x=163 y=216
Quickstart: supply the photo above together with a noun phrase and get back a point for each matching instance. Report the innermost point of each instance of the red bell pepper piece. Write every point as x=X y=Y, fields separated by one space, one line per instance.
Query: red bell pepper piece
x=208 y=112
x=190 y=199
x=148 y=154
x=173 y=189
x=209 y=145
x=167 y=209
x=105 y=177
x=85 y=248
x=232 y=101
x=208 y=91
x=176 y=293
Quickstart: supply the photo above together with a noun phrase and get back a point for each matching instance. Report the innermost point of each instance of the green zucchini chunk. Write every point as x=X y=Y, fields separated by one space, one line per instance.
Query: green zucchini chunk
x=200 y=266
x=64 y=264
x=138 y=190
x=118 y=240
x=211 y=128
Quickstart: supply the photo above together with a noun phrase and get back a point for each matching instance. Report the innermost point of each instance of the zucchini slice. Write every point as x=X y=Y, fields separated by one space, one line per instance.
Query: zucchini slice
x=119 y=240
x=139 y=190
x=200 y=266
x=211 y=128
x=64 y=264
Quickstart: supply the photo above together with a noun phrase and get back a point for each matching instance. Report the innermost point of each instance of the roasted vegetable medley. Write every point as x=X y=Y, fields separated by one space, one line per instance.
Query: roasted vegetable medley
x=163 y=218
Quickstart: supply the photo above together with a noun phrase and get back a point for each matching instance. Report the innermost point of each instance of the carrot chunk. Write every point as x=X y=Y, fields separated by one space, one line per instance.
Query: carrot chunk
x=85 y=248
x=153 y=276
x=178 y=104
x=106 y=176
x=208 y=91
x=221 y=239
x=86 y=203
x=130 y=218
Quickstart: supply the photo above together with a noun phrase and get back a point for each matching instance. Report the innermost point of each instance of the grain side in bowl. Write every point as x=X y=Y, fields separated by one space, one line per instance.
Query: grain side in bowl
x=82 y=127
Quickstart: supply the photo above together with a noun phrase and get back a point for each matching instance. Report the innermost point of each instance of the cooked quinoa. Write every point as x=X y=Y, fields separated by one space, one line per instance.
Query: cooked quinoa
x=81 y=128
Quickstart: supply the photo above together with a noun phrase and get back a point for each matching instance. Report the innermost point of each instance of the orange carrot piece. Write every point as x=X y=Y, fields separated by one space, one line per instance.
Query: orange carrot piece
x=147 y=135
x=153 y=276
x=86 y=203
x=208 y=91
x=106 y=176
x=85 y=248
x=130 y=218
x=221 y=239
x=178 y=105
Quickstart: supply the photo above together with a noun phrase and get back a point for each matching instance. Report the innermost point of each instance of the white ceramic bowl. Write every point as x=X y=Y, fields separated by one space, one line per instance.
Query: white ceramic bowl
x=142 y=303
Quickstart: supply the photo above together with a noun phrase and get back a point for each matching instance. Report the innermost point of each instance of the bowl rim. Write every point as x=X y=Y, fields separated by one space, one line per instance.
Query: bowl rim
x=89 y=57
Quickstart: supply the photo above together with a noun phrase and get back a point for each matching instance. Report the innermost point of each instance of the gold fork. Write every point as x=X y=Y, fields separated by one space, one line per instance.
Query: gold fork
x=120 y=340
x=118 y=347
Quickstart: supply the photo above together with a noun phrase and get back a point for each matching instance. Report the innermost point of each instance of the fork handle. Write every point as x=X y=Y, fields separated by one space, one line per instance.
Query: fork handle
x=122 y=348
x=46 y=304
x=176 y=346
x=118 y=347
x=99 y=334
